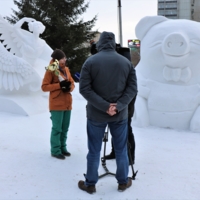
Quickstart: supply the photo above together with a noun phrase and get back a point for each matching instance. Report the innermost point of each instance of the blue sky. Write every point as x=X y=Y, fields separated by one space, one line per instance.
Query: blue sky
x=107 y=11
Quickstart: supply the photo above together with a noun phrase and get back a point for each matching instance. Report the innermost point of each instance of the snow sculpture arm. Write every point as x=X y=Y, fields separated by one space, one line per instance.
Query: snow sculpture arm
x=143 y=89
x=15 y=72
x=141 y=115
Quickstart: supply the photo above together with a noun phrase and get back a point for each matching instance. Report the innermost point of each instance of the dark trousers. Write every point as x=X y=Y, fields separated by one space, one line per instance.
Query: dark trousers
x=131 y=138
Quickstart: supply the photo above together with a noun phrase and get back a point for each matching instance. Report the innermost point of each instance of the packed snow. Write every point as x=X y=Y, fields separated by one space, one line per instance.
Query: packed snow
x=167 y=161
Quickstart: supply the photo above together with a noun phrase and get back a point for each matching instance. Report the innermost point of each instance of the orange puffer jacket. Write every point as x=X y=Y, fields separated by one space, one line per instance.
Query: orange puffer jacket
x=58 y=100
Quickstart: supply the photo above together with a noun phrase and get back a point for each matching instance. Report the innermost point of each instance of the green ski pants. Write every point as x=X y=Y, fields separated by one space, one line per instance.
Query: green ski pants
x=60 y=124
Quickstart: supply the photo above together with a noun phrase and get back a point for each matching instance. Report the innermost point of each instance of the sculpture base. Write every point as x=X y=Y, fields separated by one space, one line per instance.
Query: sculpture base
x=23 y=104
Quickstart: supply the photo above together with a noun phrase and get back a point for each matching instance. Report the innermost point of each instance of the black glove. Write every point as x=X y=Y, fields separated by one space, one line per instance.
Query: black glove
x=65 y=86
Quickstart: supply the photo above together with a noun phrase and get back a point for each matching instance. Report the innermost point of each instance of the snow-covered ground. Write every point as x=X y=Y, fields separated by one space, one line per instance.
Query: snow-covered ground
x=167 y=161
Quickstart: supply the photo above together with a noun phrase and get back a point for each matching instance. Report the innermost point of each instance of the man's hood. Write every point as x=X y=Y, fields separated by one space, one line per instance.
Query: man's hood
x=106 y=41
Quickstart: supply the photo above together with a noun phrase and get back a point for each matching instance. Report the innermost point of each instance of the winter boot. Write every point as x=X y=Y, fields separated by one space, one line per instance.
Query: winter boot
x=59 y=156
x=66 y=153
x=89 y=189
x=122 y=187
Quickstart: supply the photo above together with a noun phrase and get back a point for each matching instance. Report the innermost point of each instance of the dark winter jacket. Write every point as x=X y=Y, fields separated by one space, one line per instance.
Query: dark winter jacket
x=107 y=77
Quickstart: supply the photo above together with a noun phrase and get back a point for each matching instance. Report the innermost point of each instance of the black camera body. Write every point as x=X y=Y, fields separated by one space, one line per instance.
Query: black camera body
x=124 y=51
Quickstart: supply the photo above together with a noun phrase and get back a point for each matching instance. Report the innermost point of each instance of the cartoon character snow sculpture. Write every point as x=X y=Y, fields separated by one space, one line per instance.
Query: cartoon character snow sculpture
x=23 y=57
x=168 y=74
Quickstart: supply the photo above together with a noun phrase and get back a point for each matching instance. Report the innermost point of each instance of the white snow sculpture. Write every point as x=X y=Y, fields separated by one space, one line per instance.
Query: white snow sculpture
x=168 y=74
x=23 y=57
x=16 y=72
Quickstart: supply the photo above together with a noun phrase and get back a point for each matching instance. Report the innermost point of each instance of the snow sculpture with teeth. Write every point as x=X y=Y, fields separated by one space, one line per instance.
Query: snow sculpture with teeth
x=168 y=74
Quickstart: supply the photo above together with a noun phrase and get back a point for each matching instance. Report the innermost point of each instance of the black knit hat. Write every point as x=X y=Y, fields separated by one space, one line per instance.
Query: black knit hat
x=58 y=54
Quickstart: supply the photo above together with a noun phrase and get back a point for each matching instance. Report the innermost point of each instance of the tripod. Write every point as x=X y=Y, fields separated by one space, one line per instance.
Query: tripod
x=103 y=160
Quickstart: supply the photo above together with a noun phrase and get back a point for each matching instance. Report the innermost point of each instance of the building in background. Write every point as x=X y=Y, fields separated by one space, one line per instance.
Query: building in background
x=180 y=9
x=196 y=11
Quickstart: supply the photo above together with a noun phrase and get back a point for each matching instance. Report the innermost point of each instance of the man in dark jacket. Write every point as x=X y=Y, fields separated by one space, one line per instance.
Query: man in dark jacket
x=108 y=83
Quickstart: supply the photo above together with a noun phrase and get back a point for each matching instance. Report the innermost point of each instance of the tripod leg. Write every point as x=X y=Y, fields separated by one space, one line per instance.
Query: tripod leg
x=131 y=161
x=103 y=160
x=105 y=139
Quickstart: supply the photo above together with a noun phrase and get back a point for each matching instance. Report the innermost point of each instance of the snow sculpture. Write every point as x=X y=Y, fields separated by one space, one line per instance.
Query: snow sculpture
x=168 y=74
x=23 y=57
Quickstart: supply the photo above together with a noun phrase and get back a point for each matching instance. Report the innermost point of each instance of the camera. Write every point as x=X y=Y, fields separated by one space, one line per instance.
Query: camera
x=124 y=51
x=93 y=47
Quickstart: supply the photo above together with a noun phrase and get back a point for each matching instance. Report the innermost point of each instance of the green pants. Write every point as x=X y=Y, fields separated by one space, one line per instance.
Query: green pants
x=60 y=125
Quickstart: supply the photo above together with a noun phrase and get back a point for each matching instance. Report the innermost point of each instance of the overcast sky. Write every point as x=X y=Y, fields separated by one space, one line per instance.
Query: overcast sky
x=132 y=11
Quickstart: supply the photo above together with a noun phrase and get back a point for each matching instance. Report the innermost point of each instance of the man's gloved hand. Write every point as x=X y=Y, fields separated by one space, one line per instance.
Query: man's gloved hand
x=65 y=86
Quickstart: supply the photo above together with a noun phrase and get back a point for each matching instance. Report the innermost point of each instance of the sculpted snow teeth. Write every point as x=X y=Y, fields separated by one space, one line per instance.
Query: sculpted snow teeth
x=177 y=74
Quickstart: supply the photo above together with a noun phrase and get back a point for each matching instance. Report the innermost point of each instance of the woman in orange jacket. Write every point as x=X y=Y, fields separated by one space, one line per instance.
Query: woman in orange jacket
x=60 y=84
